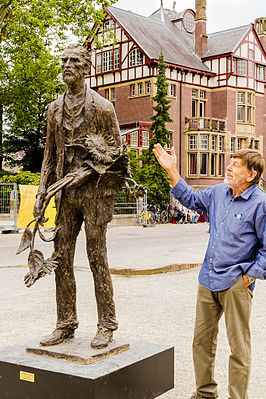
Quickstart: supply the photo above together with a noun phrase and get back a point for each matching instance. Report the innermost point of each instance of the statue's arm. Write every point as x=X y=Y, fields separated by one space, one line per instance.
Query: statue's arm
x=48 y=165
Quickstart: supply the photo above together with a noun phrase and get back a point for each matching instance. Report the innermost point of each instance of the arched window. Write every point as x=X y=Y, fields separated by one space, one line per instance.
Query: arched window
x=135 y=57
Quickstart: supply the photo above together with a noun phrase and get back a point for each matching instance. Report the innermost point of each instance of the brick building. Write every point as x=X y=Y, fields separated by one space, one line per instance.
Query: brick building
x=216 y=84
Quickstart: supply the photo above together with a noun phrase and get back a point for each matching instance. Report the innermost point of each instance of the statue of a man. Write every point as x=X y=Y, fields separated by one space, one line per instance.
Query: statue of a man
x=83 y=145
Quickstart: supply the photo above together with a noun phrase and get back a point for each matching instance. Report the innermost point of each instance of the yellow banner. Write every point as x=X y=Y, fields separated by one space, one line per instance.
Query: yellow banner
x=27 y=201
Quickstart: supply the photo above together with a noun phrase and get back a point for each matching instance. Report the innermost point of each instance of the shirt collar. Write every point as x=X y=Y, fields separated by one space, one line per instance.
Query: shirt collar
x=246 y=194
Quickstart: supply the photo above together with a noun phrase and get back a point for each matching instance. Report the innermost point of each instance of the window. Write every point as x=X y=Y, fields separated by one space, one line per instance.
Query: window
x=193 y=142
x=107 y=94
x=140 y=89
x=245 y=110
x=134 y=139
x=132 y=90
x=172 y=90
x=203 y=142
x=194 y=108
x=251 y=54
x=107 y=61
x=232 y=145
x=189 y=22
x=213 y=143
x=205 y=158
x=251 y=68
x=135 y=57
x=221 y=143
x=249 y=114
x=213 y=164
x=240 y=144
x=260 y=72
x=240 y=97
x=203 y=163
x=234 y=65
x=113 y=94
x=192 y=164
x=241 y=67
x=221 y=165
x=198 y=103
x=240 y=113
x=148 y=87
x=116 y=58
x=98 y=63
x=256 y=144
x=109 y=24
x=145 y=138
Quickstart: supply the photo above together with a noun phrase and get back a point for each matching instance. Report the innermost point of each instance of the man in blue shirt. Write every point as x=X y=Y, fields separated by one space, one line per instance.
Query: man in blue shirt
x=235 y=257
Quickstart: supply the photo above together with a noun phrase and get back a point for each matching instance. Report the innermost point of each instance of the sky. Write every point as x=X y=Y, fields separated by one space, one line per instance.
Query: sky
x=221 y=14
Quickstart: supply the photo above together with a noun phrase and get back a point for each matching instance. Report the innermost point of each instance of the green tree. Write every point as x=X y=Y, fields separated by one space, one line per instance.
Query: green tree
x=148 y=171
x=29 y=74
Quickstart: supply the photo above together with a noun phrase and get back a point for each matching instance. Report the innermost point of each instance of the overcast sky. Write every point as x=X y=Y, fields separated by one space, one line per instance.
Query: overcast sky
x=221 y=14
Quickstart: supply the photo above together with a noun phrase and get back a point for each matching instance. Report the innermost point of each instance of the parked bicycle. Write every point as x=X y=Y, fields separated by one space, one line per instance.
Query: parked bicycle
x=166 y=215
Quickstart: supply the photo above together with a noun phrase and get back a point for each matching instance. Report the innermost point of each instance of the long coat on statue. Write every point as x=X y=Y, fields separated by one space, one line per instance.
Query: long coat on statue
x=83 y=144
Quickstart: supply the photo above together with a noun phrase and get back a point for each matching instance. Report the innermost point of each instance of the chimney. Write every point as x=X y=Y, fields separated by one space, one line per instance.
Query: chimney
x=260 y=27
x=162 y=12
x=201 y=38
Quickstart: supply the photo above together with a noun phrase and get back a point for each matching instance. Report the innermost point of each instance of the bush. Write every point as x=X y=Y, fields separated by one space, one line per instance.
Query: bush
x=23 y=177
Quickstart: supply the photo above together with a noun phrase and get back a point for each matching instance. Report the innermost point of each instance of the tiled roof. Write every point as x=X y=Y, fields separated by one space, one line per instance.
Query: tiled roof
x=152 y=35
x=225 y=41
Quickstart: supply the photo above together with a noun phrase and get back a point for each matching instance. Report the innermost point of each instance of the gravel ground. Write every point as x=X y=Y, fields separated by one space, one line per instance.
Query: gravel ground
x=155 y=308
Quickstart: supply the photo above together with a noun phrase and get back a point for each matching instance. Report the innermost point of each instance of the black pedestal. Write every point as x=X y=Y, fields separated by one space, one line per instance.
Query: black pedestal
x=144 y=371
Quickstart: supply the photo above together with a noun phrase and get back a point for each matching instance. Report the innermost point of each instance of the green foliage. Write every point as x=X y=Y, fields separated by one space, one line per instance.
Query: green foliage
x=23 y=177
x=146 y=169
x=30 y=32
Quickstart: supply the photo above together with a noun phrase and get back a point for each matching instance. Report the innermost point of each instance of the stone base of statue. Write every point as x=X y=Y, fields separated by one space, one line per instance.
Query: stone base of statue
x=73 y=370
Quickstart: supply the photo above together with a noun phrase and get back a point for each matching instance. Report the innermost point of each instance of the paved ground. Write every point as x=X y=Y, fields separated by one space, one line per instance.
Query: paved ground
x=156 y=308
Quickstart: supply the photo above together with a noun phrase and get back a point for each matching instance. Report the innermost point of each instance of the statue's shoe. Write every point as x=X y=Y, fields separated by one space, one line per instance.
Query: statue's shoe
x=103 y=338
x=58 y=336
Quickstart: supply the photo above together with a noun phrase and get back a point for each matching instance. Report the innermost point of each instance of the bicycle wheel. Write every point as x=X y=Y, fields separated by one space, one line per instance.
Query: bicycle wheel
x=164 y=217
x=151 y=219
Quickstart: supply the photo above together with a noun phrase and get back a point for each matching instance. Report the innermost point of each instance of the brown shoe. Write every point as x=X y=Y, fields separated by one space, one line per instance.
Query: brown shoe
x=58 y=336
x=198 y=396
x=103 y=338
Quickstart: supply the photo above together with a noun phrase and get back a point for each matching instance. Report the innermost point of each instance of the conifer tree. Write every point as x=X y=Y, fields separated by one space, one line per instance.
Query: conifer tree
x=151 y=173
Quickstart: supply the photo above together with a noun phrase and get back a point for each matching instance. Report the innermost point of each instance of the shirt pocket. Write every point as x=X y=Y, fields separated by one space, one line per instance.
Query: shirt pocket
x=237 y=226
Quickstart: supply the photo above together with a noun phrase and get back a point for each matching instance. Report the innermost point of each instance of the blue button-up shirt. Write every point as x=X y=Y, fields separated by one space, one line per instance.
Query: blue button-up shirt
x=237 y=243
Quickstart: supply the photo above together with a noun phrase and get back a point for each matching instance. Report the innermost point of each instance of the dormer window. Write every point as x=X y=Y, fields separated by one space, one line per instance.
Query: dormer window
x=189 y=21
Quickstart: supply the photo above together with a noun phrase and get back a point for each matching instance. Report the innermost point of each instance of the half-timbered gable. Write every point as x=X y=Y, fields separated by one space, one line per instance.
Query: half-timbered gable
x=215 y=84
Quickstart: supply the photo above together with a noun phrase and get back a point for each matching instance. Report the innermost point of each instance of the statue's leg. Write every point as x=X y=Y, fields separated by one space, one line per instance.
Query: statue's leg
x=69 y=223
x=97 y=254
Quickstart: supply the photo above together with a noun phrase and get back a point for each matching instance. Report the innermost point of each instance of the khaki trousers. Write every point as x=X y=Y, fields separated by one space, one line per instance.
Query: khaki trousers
x=235 y=303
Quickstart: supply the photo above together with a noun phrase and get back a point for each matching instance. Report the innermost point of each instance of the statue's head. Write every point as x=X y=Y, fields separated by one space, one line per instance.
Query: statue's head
x=75 y=62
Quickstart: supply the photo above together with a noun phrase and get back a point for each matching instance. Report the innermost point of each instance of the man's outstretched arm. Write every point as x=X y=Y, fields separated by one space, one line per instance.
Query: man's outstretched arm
x=168 y=162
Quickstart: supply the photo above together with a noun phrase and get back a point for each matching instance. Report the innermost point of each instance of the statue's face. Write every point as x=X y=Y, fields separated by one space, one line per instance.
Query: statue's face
x=73 y=67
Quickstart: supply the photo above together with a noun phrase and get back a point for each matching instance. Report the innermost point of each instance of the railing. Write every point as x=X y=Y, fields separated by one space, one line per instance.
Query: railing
x=8 y=206
x=203 y=123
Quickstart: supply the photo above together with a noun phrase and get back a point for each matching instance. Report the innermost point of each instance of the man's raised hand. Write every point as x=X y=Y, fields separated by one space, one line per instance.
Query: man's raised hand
x=168 y=162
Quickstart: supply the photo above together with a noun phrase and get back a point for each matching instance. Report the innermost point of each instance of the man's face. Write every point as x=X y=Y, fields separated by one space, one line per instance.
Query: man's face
x=72 y=66
x=237 y=174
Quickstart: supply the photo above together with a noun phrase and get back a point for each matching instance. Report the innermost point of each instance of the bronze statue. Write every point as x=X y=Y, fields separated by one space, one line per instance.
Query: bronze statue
x=85 y=164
